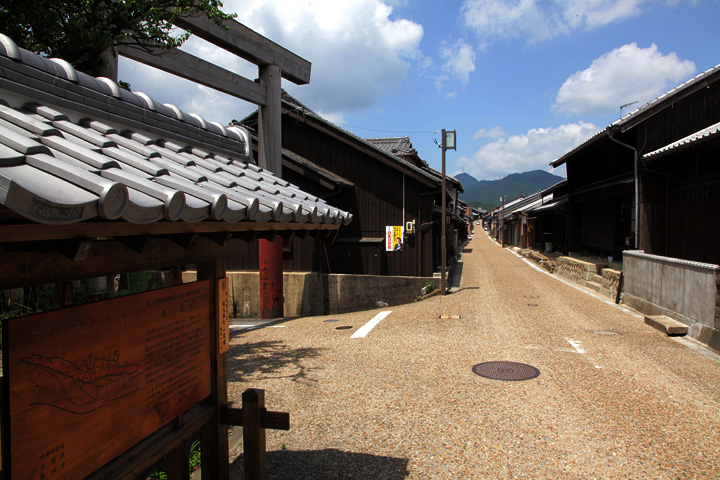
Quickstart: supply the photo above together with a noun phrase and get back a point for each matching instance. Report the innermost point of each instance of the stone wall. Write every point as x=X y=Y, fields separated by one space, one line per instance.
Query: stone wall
x=574 y=269
x=610 y=282
x=311 y=294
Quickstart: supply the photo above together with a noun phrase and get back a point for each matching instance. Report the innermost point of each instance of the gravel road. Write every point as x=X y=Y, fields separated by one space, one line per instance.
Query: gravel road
x=614 y=398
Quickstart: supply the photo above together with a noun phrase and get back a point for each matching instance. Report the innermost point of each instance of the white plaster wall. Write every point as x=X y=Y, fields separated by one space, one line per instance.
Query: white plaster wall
x=688 y=288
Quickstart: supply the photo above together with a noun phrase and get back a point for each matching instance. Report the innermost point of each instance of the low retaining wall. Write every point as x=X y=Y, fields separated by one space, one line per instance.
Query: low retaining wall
x=605 y=281
x=574 y=269
x=682 y=290
x=537 y=257
x=311 y=294
x=610 y=282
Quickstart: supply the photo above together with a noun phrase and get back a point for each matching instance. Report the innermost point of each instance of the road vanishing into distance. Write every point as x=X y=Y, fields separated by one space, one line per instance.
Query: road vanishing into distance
x=516 y=375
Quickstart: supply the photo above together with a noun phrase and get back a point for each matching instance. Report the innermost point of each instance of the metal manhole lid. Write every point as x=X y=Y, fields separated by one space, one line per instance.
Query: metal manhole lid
x=344 y=327
x=508 y=371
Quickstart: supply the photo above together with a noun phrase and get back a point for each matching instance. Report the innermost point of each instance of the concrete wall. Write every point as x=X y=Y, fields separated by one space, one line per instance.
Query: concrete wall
x=310 y=294
x=683 y=290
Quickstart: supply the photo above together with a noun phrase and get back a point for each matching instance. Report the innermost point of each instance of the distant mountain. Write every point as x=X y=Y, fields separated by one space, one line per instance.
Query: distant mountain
x=487 y=193
x=466 y=179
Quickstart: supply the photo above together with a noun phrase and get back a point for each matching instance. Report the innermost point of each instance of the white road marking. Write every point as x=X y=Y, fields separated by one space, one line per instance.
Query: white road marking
x=577 y=345
x=365 y=329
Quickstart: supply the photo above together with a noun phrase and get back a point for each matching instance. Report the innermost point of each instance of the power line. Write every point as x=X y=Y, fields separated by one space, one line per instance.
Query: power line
x=384 y=131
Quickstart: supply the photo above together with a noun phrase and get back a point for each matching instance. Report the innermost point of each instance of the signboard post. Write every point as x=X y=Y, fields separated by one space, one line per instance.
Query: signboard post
x=223 y=303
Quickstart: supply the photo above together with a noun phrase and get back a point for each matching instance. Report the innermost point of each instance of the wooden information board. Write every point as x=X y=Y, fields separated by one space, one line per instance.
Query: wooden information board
x=87 y=383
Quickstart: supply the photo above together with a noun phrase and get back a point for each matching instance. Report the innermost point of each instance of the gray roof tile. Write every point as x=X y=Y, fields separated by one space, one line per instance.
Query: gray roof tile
x=63 y=161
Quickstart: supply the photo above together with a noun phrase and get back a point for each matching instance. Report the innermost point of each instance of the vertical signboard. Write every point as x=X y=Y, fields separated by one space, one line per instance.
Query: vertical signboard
x=87 y=383
x=393 y=238
x=223 y=303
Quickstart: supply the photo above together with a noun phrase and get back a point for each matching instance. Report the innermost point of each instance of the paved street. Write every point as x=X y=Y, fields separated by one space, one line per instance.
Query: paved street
x=614 y=398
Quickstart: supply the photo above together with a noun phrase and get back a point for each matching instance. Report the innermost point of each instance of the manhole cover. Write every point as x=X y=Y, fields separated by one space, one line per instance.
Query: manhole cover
x=532 y=296
x=344 y=327
x=533 y=304
x=331 y=320
x=509 y=371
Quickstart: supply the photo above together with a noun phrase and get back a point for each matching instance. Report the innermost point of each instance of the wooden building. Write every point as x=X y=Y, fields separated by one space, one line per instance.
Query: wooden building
x=648 y=181
x=97 y=181
x=378 y=184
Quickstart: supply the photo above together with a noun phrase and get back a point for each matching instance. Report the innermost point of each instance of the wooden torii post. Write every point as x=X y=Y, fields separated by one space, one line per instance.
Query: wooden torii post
x=275 y=63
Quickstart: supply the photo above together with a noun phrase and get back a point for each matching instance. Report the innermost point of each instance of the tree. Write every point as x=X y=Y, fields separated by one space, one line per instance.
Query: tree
x=82 y=32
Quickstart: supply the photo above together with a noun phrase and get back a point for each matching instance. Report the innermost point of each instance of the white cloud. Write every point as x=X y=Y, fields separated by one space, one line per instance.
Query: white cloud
x=627 y=74
x=495 y=132
x=533 y=150
x=459 y=61
x=358 y=52
x=538 y=20
x=358 y=55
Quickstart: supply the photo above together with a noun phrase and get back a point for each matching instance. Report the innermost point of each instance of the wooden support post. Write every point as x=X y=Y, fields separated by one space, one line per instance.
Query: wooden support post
x=178 y=461
x=254 y=418
x=253 y=401
x=271 y=278
x=269 y=117
x=63 y=295
x=214 y=435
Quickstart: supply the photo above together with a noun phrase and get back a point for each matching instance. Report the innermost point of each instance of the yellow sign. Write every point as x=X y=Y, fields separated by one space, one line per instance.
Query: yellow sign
x=393 y=239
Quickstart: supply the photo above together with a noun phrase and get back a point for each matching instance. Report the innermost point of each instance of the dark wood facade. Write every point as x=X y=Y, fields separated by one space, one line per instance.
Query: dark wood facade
x=677 y=191
x=379 y=190
x=681 y=203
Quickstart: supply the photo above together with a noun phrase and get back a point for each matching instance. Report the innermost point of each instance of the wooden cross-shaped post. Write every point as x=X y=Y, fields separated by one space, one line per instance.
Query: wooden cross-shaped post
x=254 y=418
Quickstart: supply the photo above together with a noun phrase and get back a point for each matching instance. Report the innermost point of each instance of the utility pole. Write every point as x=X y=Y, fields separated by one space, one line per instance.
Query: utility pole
x=448 y=143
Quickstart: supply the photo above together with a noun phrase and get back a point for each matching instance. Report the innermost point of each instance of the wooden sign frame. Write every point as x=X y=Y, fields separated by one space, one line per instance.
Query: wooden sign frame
x=223 y=303
x=84 y=384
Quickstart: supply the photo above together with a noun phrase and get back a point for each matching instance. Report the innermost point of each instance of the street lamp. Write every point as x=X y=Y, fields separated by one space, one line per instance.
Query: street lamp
x=448 y=143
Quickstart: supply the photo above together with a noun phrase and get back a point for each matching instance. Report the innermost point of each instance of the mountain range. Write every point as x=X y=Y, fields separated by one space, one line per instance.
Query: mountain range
x=486 y=193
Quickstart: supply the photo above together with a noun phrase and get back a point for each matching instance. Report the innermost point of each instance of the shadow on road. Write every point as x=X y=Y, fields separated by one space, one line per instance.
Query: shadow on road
x=269 y=359
x=327 y=464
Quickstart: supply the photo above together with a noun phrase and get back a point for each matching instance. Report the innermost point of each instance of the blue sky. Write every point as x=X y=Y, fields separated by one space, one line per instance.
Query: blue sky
x=522 y=81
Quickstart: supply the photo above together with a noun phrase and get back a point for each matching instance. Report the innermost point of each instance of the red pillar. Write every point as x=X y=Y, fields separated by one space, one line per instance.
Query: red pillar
x=271 y=278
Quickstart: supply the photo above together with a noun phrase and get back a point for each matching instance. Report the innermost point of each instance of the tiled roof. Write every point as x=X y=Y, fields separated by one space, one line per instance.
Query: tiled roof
x=395 y=161
x=75 y=148
x=631 y=119
x=696 y=138
x=394 y=145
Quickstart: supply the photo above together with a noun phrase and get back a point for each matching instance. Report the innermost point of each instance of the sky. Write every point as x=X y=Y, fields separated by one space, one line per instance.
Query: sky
x=521 y=81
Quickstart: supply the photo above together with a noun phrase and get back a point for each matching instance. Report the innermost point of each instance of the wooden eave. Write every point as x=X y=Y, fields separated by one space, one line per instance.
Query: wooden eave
x=35 y=254
x=358 y=143
x=34 y=232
